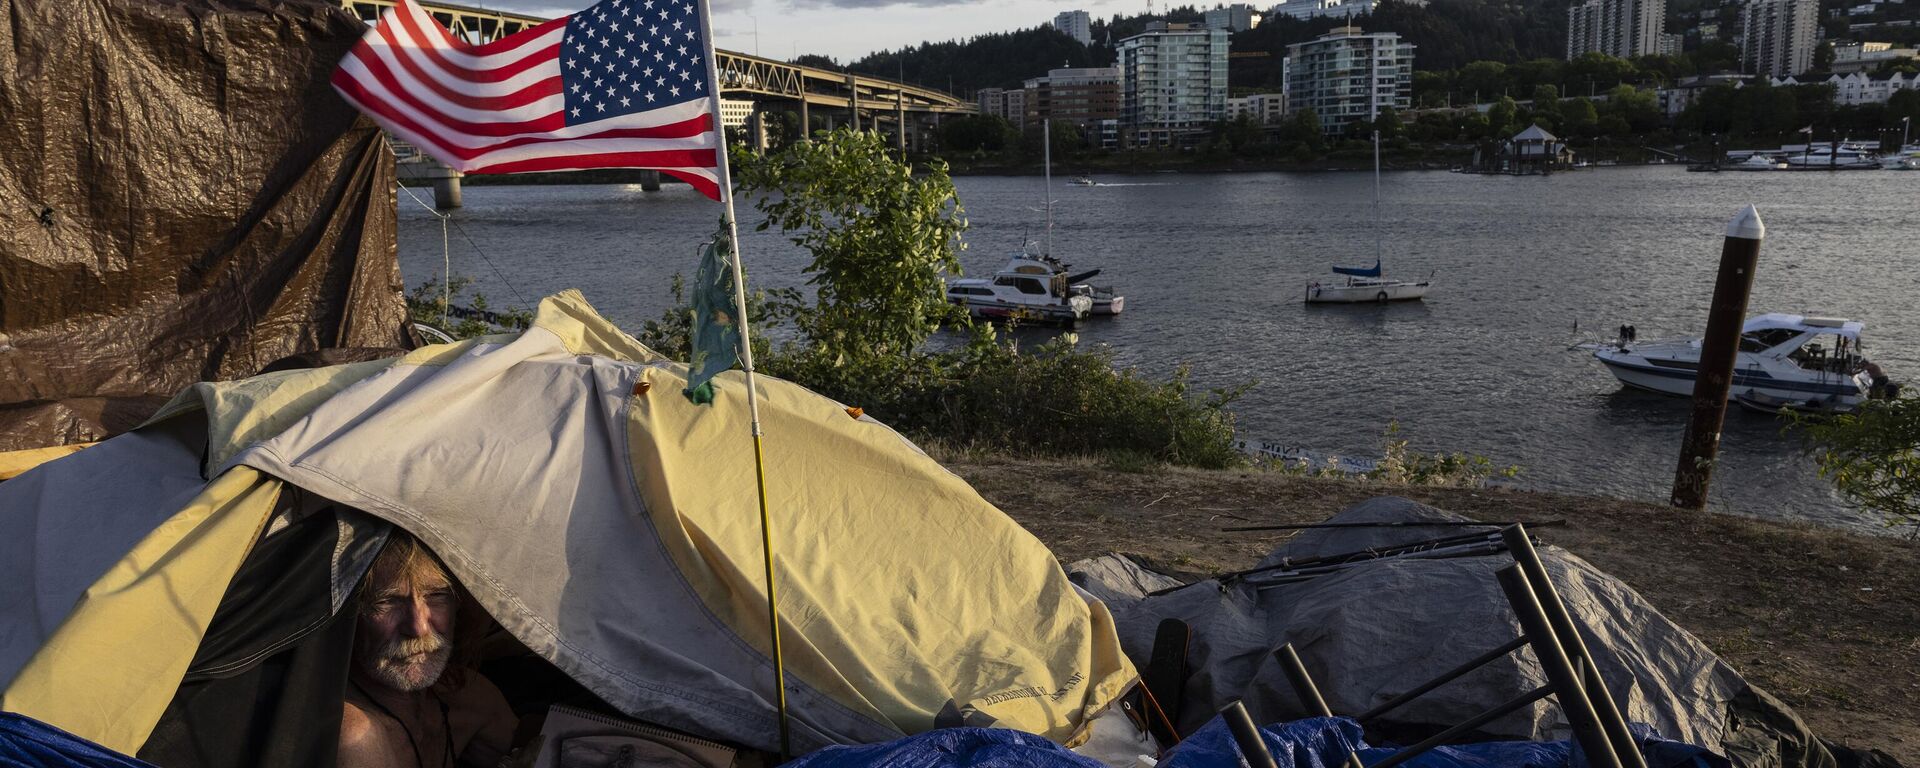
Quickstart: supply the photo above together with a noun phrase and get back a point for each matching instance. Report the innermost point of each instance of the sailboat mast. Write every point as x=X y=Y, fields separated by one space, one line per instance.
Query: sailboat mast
x=1373 y=116
x=1046 y=152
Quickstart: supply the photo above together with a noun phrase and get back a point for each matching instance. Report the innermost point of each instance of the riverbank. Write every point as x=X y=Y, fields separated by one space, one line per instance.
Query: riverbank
x=1824 y=619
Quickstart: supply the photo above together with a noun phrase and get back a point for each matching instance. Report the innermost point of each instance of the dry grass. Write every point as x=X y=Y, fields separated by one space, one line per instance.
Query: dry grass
x=1827 y=620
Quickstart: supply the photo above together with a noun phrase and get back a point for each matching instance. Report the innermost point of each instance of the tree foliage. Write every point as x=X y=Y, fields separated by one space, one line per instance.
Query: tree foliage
x=880 y=236
x=1873 y=457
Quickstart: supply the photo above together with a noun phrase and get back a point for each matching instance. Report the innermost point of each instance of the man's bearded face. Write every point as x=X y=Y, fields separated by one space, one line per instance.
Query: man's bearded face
x=405 y=627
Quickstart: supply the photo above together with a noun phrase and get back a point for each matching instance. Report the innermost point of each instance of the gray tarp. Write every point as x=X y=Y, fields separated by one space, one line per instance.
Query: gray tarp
x=1370 y=632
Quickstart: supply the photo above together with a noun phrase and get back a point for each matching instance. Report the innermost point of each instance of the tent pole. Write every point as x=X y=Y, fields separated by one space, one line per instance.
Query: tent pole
x=746 y=361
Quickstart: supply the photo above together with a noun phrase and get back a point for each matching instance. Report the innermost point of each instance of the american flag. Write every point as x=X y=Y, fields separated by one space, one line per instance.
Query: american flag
x=622 y=84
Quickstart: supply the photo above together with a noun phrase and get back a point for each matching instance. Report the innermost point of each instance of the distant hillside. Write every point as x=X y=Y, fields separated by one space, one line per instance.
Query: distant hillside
x=1449 y=33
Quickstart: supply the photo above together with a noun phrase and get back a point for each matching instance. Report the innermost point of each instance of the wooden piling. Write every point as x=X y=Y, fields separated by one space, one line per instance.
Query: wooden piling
x=1718 y=350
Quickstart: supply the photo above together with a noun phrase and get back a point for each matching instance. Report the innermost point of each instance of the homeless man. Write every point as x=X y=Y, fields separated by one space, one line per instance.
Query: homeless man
x=408 y=705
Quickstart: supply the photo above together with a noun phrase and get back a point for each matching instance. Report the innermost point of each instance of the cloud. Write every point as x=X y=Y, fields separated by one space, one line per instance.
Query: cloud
x=870 y=4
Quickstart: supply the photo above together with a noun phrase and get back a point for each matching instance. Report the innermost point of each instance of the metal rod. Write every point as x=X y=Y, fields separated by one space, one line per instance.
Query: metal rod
x=753 y=403
x=1309 y=693
x=1252 y=747
x=1451 y=675
x=1615 y=726
x=1739 y=255
x=1397 y=524
x=1560 y=675
x=1462 y=729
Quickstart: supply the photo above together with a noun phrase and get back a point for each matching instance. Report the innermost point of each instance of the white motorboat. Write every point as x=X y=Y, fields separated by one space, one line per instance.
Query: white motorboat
x=1784 y=361
x=1756 y=162
x=1844 y=156
x=1034 y=286
x=1907 y=159
x=1367 y=284
x=1082 y=180
x=1030 y=288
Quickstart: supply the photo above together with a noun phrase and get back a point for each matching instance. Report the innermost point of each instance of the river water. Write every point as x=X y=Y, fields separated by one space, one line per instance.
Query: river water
x=1213 y=268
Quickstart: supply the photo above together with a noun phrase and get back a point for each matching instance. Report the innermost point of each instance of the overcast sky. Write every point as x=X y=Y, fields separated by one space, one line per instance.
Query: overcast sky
x=850 y=29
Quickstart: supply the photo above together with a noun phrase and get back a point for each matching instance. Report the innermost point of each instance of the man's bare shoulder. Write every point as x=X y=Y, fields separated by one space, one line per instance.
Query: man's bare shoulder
x=364 y=740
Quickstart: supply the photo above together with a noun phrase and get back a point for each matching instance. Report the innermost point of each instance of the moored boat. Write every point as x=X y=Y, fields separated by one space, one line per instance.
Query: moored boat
x=1784 y=361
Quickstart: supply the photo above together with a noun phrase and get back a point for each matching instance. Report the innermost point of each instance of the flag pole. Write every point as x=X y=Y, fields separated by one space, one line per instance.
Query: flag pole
x=746 y=360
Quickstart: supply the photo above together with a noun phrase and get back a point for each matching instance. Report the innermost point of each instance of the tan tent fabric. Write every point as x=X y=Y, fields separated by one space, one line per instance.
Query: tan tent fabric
x=874 y=537
x=108 y=672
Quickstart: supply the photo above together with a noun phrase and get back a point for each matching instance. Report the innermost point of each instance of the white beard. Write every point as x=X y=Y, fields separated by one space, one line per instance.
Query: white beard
x=409 y=664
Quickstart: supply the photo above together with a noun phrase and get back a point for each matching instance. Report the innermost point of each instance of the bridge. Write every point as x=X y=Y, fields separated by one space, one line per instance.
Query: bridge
x=822 y=98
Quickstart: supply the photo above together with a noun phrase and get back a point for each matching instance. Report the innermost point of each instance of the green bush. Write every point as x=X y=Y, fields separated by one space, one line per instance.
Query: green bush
x=1054 y=400
x=1872 y=457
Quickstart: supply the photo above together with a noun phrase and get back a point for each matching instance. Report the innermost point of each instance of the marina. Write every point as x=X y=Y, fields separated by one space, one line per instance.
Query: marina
x=1213 y=265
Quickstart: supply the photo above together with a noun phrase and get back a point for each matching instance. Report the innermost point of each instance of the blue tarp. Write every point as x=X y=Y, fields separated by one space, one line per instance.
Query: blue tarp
x=952 y=748
x=1323 y=742
x=29 y=743
x=1373 y=271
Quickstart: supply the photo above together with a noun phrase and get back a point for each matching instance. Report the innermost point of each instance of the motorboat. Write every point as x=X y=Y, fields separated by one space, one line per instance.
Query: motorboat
x=1030 y=288
x=1756 y=162
x=1907 y=159
x=1784 y=361
x=1034 y=286
x=1843 y=156
x=1367 y=284
x=1082 y=180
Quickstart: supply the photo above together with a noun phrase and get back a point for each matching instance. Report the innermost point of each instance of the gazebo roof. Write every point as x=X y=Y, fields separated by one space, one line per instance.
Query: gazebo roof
x=1535 y=133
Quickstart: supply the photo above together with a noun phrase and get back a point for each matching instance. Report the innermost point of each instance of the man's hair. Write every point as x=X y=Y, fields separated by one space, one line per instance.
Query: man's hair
x=402 y=556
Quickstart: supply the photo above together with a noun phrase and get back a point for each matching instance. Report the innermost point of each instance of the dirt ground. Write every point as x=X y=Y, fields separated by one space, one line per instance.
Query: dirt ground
x=1826 y=620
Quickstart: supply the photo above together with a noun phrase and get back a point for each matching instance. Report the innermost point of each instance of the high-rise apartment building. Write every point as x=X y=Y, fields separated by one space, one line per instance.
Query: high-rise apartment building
x=1618 y=28
x=1008 y=103
x=1082 y=95
x=1075 y=24
x=1238 y=17
x=1174 y=83
x=1347 y=75
x=1777 y=37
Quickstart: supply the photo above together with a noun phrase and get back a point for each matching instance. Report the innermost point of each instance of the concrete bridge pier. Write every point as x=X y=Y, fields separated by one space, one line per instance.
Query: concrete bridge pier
x=446 y=181
x=649 y=181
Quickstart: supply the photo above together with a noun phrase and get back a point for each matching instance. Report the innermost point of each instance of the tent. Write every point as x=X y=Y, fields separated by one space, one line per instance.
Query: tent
x=1373 y=630
x=190 y=575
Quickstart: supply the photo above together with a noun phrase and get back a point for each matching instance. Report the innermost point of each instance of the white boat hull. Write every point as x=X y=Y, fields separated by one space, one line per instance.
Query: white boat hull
x=1829 y=392
x=1363 y=293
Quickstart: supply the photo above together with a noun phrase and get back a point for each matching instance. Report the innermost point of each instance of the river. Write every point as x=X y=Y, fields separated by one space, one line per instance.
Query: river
x=1213 y=267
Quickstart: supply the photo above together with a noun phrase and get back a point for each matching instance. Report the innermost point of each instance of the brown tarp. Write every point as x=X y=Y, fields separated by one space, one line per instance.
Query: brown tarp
x=183 y=197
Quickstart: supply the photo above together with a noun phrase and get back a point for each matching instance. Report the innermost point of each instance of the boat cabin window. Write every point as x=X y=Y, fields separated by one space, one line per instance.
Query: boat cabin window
x=1763 y=340
x=1025 y=284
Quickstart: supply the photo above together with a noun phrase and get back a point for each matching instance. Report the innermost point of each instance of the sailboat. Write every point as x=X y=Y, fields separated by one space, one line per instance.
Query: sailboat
x=1365 y=284
x=1034 y=286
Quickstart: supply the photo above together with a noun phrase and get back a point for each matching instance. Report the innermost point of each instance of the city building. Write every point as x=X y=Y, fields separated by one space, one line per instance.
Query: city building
x=1867 y=57
x=1263 y=107
x=1676 y=98
x=734 y=113
x=1238 y=17
x=1671 y=44
x=1307 y=9
x=1075 y=24
x=1618 y=28
x=1082 y=96
x=1347 y=75
x=1777 y=37
x=1173 y=83
x=1859 y=87
x=1007 y=103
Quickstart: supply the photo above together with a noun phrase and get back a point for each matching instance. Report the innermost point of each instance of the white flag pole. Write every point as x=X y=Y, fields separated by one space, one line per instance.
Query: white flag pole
x=746 y=361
